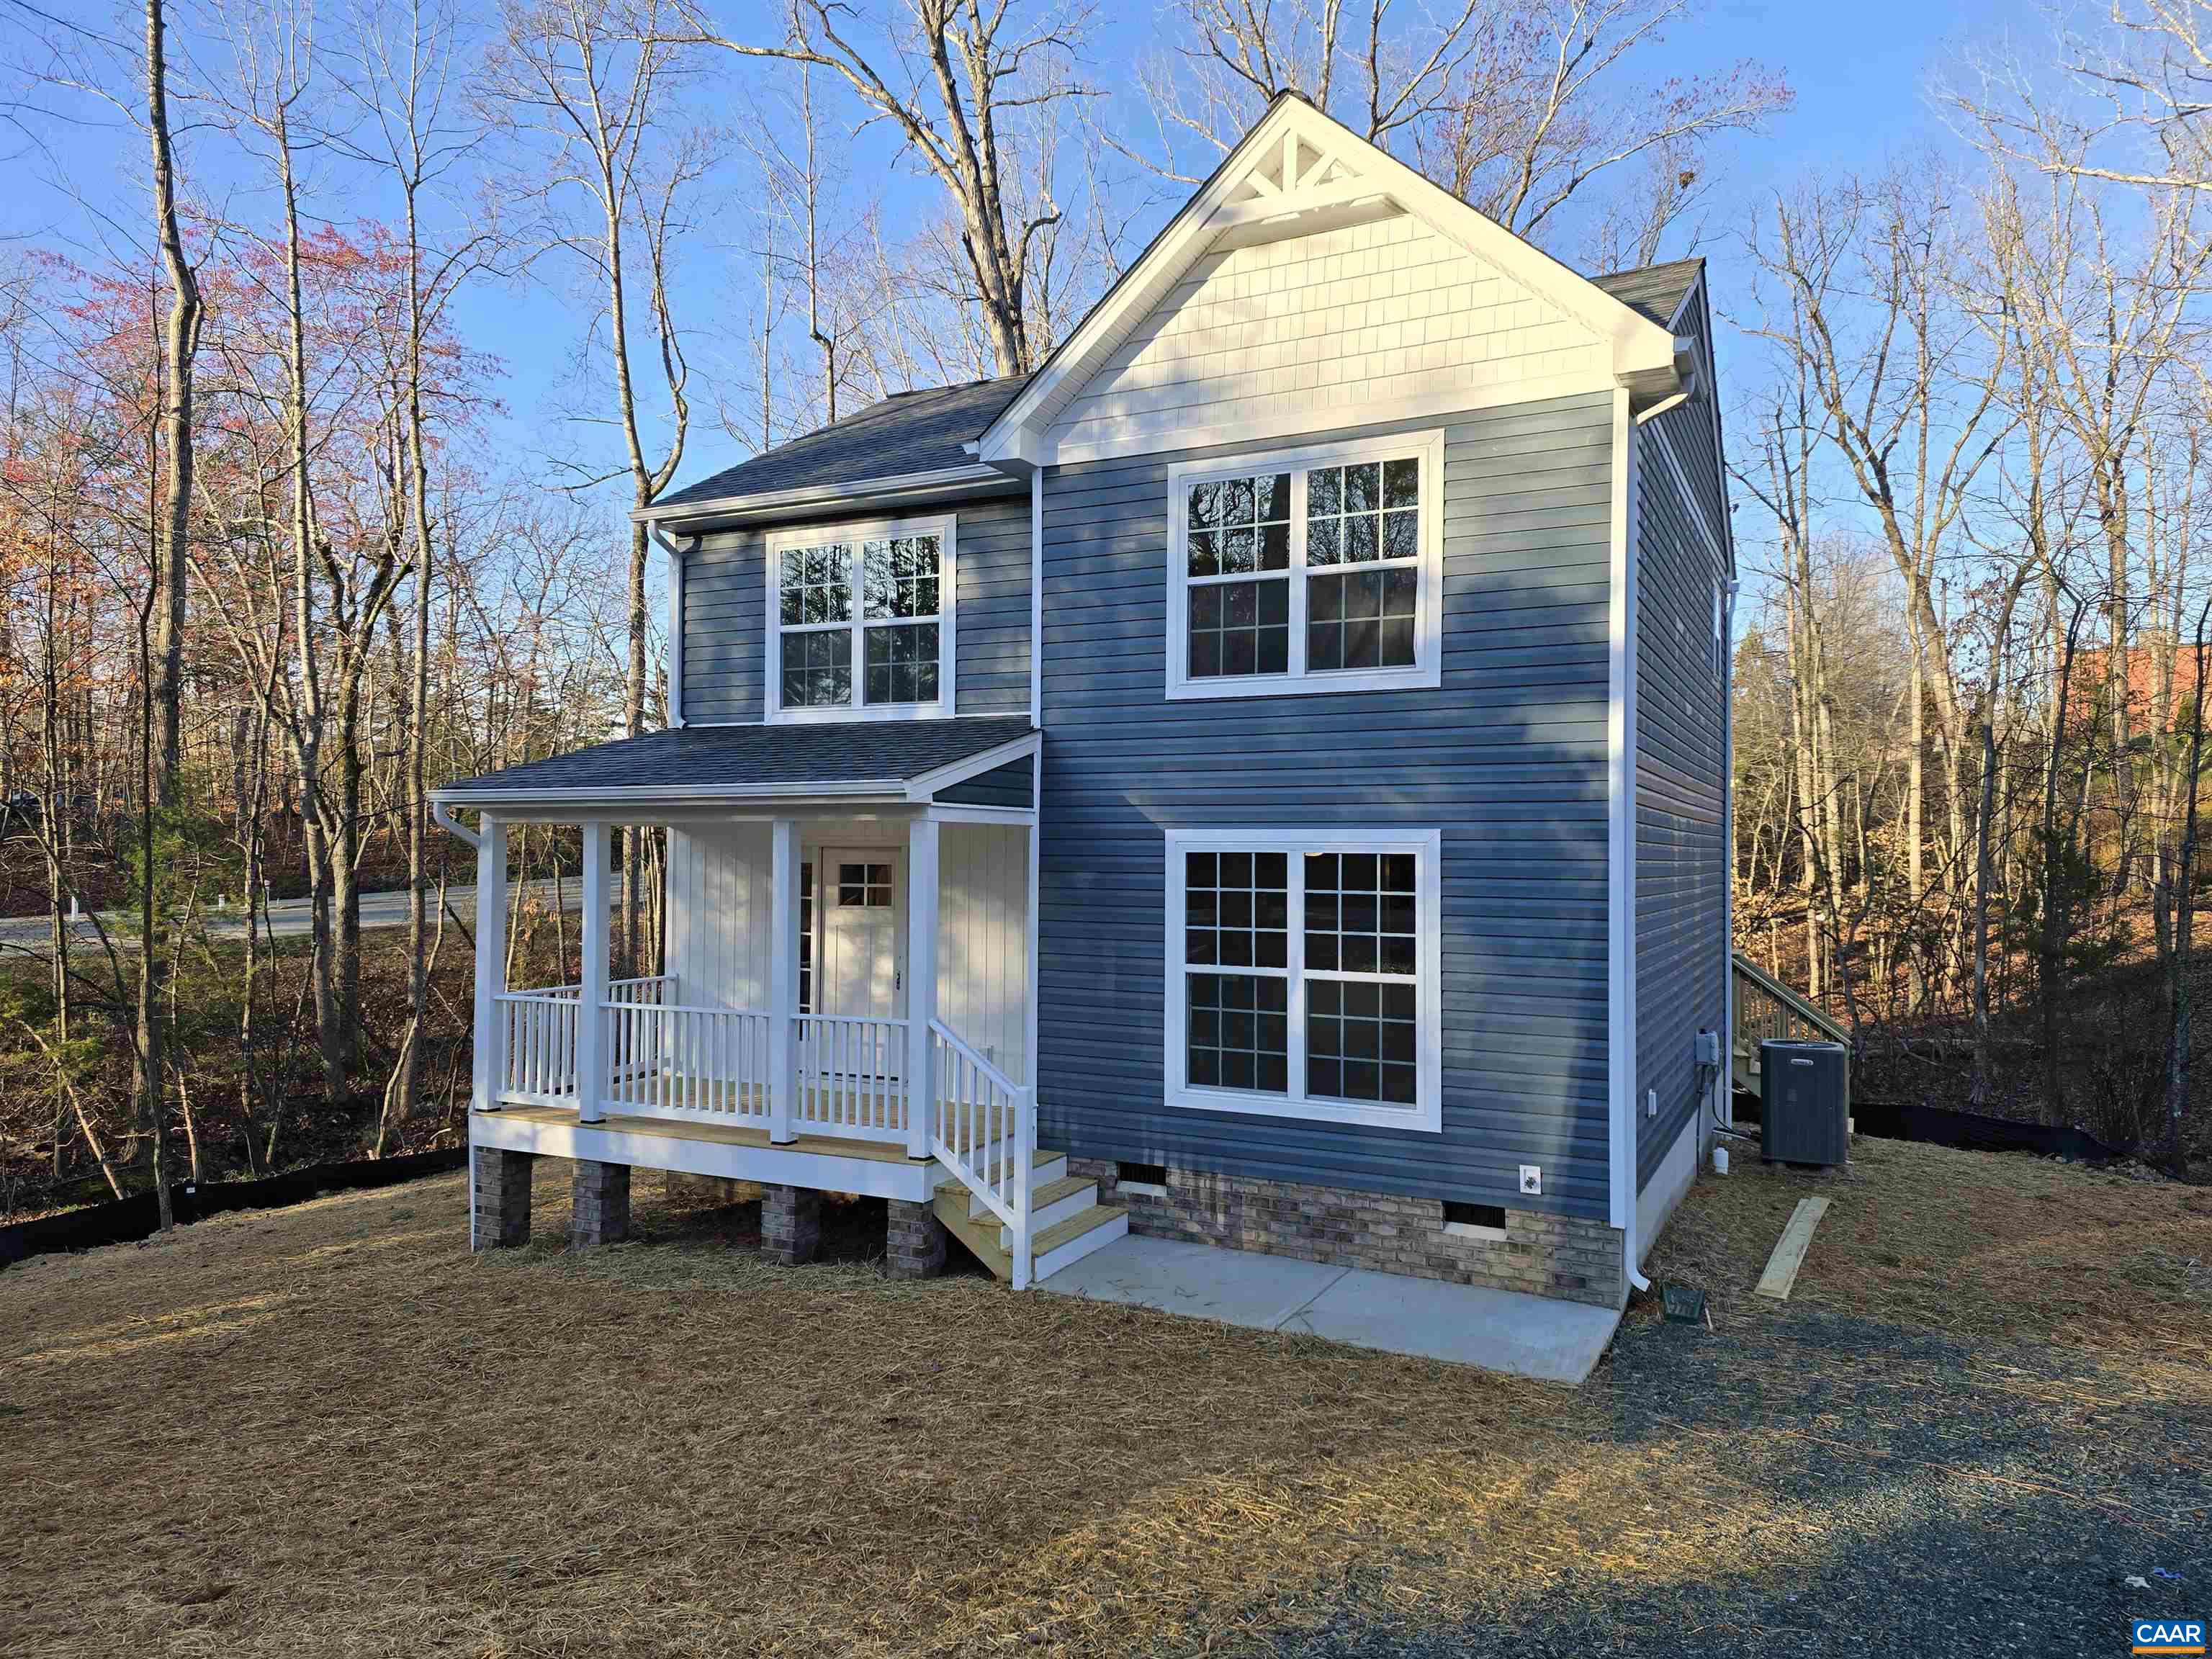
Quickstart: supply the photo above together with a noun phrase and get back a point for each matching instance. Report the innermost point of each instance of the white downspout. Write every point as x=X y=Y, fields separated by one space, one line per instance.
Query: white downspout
x=675 y=620
x=1726 y=1079
x=447 y=822
x=1621 y=894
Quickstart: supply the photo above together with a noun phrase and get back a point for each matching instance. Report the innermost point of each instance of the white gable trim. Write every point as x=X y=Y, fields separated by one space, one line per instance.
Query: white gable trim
x=1371 y=181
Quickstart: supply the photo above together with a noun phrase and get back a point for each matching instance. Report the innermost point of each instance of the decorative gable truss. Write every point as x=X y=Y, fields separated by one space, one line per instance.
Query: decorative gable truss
x=1316 y=282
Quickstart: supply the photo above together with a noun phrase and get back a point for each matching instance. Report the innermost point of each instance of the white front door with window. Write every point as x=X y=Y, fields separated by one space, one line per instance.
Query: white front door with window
x=862 y=905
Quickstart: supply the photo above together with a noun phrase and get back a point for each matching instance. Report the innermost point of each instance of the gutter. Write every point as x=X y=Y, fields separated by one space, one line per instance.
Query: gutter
x=850 y=493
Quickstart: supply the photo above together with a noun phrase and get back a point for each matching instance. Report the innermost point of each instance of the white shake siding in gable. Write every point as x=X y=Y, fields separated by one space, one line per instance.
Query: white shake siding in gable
x=1508 y=758
x=1331 y=329
x=725 y=604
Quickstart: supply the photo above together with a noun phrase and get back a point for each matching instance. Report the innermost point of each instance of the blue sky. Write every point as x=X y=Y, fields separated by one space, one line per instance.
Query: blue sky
x=1860 y=71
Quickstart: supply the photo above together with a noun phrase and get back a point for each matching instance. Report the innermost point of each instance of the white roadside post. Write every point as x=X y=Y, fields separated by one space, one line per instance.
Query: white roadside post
x=783 y=981
x=920 y=983
x=591 y=995
x=490 y=1062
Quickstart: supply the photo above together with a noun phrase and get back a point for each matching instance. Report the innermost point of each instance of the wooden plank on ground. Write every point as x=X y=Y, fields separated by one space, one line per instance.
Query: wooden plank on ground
x=1790 y=1249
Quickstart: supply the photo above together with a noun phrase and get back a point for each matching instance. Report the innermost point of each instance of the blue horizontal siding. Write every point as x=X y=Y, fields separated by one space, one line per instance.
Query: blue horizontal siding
x=1682 y=956
x=725 y=595
x=1508 y=758
x=1002 y=786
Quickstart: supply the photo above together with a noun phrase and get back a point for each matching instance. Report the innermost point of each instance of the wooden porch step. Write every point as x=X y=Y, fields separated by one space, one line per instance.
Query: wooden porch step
x=1067 y=1220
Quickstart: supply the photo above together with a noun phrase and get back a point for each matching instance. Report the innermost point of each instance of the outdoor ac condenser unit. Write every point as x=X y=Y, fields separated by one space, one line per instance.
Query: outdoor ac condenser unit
x=1802 y=1102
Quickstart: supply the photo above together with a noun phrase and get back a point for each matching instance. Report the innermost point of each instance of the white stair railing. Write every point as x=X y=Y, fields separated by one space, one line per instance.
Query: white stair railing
x=982 y=1129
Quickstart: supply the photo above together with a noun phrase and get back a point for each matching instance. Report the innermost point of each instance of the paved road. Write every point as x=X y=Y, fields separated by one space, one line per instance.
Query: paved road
x=287 y=918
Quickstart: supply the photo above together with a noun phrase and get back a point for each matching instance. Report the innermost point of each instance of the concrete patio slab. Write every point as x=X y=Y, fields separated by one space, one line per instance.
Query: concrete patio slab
x=1499 y=1330
x=1238 y=1287
x=1467 y=1324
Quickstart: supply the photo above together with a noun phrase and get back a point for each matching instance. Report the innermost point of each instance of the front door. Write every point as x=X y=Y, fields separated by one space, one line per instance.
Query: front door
x=863 y=947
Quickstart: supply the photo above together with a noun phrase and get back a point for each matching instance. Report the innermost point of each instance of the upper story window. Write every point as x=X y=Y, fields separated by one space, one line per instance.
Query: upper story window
x=1313 y=570
x=860 y=621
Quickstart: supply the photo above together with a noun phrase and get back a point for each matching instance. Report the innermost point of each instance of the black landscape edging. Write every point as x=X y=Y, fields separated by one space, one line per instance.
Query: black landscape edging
x=122 y=1220
x=1937 y=1126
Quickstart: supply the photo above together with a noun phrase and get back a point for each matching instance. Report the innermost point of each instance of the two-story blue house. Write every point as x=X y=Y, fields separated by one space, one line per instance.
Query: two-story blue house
x=1262 y=778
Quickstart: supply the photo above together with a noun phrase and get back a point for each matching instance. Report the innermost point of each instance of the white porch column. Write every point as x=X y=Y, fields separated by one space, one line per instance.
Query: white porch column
x=921 y=983
x=783 y=980
x=591 y=999
x=489 y=1060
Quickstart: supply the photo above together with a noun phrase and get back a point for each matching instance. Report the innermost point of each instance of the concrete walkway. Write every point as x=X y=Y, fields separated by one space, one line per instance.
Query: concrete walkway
x=1499 y=1330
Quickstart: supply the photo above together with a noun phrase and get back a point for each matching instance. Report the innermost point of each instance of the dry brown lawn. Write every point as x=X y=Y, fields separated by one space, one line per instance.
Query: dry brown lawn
x=331 y=1430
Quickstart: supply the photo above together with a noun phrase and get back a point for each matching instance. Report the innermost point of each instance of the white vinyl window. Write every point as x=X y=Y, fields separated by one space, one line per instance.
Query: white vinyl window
x=1302 y=975
x=1311 y=570
x=860 y=621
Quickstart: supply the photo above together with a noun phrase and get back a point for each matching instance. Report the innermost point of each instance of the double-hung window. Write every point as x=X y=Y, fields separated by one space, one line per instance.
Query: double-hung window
x=1317 y=569
x=1302 y=975
x=860 y=621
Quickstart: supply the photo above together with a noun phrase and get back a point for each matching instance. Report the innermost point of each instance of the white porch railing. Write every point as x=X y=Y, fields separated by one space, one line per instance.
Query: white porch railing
x=537 y=1045
x=851 y=1076
x=706 y=1065
x=982 y=1131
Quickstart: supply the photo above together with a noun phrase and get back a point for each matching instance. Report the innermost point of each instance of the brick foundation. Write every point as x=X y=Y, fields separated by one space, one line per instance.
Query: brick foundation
x=791 y=1224
x=1575 y=1261
x=502 y=1183
x=914 y=1241
x=599 y=1208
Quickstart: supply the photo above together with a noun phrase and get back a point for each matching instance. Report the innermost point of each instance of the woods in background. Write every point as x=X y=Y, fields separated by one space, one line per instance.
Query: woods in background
x=1969 y=738
x=280 y=553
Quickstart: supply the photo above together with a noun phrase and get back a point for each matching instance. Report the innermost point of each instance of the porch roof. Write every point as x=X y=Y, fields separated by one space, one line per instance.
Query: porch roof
x=704 y=765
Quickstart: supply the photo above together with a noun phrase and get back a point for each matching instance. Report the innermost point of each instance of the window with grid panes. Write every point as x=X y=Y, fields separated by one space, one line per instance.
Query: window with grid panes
x=1308 y=574
x=861 y=619
x=1303 y=976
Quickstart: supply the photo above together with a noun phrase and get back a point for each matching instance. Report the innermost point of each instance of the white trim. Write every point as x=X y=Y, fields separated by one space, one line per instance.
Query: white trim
x=959 y=814
x=1426 y=845
x=1621 y=861
x=1029 y=1037
x=924 y=861
x=675 y=626
x=593 y=948
x=1036 y=599
x=1179 y=430
x=1696 y=293
x=771 y=1165
x=1697 y=508
x=852 y=533
x=786 y=853
x=943 y=777
x=763 y=502
x=1640 y=347
x=888 y=791
x=488 y=1061
x=1426 y=670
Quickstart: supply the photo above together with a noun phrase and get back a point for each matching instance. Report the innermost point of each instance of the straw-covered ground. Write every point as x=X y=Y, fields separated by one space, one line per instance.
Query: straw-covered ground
x=331 y=1430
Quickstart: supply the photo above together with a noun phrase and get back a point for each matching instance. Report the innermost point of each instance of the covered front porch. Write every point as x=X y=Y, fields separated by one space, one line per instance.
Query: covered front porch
x=848 y=992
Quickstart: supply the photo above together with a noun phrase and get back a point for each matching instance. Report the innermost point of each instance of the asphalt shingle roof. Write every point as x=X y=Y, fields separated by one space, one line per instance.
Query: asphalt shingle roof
x=927 y=430
x=908 y=432
x=705 y=757
x=1655 y=290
